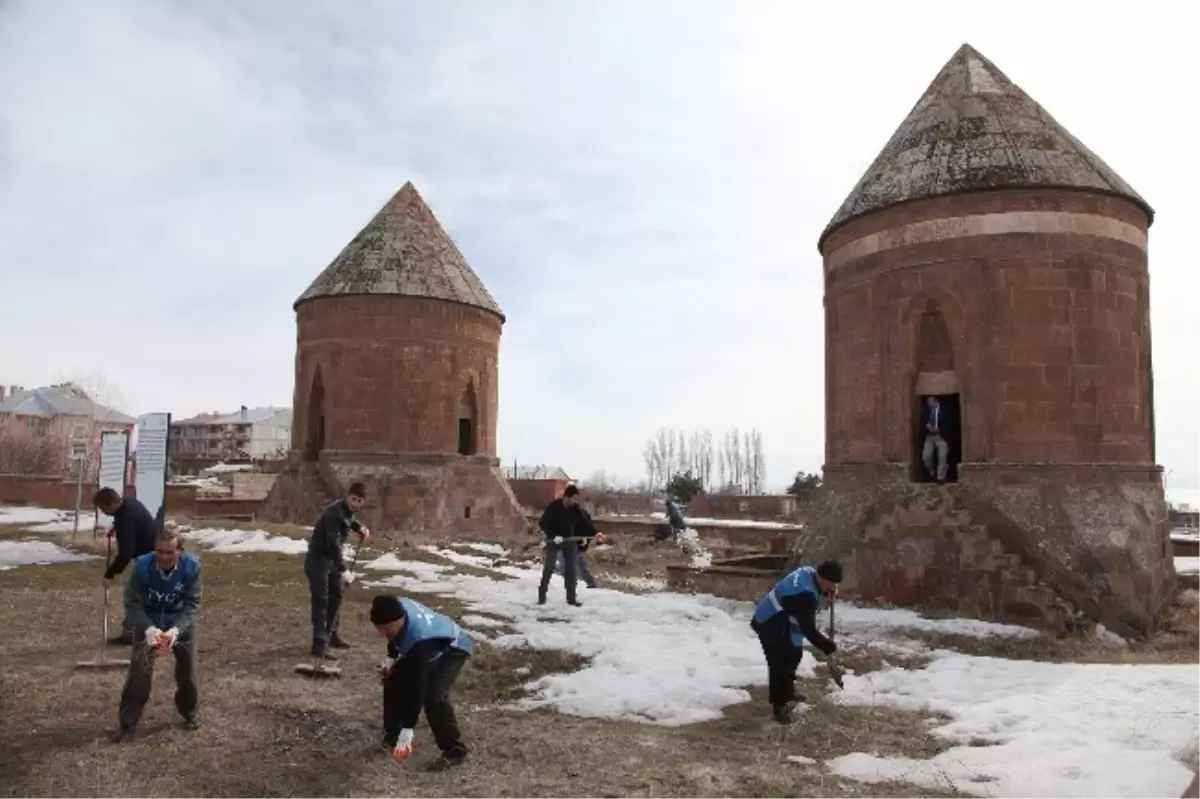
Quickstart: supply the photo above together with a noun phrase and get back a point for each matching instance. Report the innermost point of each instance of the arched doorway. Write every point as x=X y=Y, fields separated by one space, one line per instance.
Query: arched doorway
x=315 y=423
x=468 y=422
x=936 y=379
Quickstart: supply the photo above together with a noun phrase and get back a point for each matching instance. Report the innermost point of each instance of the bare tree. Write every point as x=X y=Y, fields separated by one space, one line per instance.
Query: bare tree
x=21 y=453
x=704 y=459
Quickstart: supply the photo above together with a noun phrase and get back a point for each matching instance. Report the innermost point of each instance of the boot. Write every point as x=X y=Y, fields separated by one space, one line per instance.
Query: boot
x=191 y=722
x=446 y=761
x=541 y=596
x=319 y=648
x=123 y=735
x=337 y=642
x=785 y=713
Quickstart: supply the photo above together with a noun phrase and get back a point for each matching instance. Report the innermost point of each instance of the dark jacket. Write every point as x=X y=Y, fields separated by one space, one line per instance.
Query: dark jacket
x=559 y=520
x=329 y=534
x=180 y=609
x=135 y=531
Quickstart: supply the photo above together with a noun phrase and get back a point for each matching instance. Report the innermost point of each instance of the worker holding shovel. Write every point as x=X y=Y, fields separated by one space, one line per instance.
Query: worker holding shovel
x=562 y=524
x=783 y=619
x=325 y=567
x=162 y=599
x=426 y=651
x=135 y=530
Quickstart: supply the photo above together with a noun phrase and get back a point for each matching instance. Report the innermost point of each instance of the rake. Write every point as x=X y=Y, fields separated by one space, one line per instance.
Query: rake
x=322 y=667
x=104 y=663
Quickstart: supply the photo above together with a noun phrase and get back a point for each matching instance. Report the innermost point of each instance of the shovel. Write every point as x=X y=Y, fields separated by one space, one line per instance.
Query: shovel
x=322 y=668
x=104 y=663
x=835 y=671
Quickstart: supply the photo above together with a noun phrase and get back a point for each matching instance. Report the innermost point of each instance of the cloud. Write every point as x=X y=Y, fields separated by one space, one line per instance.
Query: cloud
x=640 y=185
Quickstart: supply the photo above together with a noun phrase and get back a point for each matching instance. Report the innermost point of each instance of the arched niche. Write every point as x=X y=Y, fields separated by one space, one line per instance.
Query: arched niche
x=315 y=419
x=468 y=420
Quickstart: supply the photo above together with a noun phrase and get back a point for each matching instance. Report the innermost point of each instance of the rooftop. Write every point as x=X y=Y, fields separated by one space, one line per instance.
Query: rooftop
x=62 y=399
x=403 y=251
x=972 y=130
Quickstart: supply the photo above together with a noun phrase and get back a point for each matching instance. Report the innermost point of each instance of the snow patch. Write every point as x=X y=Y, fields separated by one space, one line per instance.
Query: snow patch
x=1187 y=565
x=482 y=621
x=10 y=514
x=31 y=552
x=241 y=541
x=1048 y=729
x=641 y=583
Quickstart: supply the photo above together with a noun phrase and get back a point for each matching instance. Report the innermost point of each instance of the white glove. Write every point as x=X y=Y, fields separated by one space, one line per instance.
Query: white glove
x=558 y=539
x=172 y=636
x=385 y=666
x=347 y=578
x=152 y=634
x=404 y=745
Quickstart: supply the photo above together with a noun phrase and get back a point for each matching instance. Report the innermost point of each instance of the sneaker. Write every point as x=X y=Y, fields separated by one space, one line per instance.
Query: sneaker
x=446 y=761
x=337 y=642
x=123 y=735
x=191 y=722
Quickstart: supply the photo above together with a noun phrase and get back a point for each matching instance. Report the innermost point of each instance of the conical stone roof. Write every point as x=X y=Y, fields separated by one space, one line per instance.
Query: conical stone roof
x=974 y=129
x=403 y=251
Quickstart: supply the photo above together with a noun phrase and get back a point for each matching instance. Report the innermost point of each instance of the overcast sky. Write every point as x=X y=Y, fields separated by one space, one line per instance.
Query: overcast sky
x=639 y=184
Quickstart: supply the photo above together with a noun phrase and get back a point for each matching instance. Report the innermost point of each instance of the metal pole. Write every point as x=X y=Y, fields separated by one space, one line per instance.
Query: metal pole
x=78 y=499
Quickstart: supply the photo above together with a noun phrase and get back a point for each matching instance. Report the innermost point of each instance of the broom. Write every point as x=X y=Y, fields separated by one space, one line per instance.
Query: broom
x=104 y=663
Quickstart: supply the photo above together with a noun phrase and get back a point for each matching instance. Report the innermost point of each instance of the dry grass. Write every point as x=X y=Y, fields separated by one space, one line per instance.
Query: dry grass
x=269 y=732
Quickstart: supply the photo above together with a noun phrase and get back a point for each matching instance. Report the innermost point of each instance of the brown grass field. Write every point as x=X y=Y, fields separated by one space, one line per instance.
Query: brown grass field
x=269 y=732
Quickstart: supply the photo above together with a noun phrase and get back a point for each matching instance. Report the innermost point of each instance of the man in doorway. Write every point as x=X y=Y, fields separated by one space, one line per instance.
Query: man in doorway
x=934 y=441
x=135 y=531
x=562 y=521
x=782 y=620
x=162 y=598
x=325 y=567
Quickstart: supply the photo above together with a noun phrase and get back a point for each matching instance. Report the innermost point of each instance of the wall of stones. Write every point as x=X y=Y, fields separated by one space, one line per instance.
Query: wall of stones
x=1043 y=297
x=394 y=371
x=1042 y=545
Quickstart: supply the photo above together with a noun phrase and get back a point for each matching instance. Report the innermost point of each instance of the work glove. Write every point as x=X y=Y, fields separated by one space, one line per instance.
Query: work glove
x=112 y=531
x=169 y=638
x=364 y=533
x=385 y=667
x=558 y=539
x=404 y=745
x=347 y=578
x=600 y=538
x=152 y=634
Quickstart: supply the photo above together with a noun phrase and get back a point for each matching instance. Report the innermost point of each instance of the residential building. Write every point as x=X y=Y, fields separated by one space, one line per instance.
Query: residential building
x=536 y=486
x=62 y=412
x=245 y=434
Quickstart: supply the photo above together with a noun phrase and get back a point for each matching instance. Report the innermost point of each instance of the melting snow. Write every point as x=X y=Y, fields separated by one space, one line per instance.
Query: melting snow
x=226 y=541
x=22 y=515
x=31 y=552
x=491 y=549
x=1187 y=565
x=663 y=658
x=1054 y=729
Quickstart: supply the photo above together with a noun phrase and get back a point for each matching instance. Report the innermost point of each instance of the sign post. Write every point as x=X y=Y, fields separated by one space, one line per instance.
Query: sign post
x=150 y=479
x=114 y=454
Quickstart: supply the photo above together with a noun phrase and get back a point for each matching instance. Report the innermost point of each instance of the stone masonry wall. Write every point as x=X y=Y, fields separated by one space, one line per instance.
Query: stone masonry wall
x=1044 y=298
x=395 y=373
x=1047 y=546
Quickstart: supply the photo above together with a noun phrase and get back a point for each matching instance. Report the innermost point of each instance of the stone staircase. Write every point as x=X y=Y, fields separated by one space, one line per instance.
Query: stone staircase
x=924 y=547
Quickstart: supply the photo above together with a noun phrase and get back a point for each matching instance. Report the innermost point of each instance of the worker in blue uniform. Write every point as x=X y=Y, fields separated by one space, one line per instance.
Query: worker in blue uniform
x=426 y=650
x=783 y=619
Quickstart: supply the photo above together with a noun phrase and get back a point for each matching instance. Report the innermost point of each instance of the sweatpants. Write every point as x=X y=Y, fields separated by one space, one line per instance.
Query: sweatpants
x=325 y=592
x=783 y=659
x=439 y=711
x=570 y=551
x=140 y=676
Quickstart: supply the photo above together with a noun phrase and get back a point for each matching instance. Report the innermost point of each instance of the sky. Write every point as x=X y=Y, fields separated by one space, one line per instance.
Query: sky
x=640 y=185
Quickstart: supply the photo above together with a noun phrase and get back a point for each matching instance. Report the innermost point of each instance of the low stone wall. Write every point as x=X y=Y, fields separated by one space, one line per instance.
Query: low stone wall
x=746 y=579
x=54 y=492
x=1185 y=549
